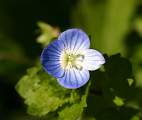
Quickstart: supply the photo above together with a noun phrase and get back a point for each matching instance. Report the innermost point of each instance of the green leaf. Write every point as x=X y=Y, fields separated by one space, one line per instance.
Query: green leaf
x=118 y=101
x=138 y=25
x=136 y=60
x=43 y=95
x=47 y=33
x=74 y=111
x=130 y=81
x=41 y=92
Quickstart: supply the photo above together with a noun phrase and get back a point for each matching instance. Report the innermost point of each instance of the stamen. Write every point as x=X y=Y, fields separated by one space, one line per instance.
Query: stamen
x=69 y=60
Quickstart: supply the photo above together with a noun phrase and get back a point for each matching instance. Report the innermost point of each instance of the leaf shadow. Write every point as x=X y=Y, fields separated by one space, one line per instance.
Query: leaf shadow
x=107 y=84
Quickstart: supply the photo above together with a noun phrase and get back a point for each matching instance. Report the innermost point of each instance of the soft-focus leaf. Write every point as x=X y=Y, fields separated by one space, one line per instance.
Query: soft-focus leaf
x=118 y=101
x=135 y=118
x=138 y=25
x=47 y=33
x=107 y=21
x=130 y=81
x=137 y=62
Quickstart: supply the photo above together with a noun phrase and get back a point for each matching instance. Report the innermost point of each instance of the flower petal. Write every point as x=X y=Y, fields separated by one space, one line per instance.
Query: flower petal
x=93 y=59
x=74 y=78
x=50 y=58
x=75 y=39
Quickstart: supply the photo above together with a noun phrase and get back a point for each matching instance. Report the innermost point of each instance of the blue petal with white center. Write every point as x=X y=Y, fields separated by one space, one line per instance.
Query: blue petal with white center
x=50 y=59
x=75 y=39
x=69 y=59
x=74 y=78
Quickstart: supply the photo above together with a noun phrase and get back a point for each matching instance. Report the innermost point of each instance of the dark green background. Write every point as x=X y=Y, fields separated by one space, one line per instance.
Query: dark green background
x=19 y=50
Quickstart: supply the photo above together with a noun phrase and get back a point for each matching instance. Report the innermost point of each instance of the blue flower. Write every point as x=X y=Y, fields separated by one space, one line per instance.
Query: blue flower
x=69 y=59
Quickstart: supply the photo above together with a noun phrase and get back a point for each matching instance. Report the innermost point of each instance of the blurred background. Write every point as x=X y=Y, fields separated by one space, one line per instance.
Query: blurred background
x=114 y=26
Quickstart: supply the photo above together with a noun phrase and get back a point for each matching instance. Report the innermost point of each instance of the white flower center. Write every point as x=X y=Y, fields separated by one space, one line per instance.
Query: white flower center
x=71 y=60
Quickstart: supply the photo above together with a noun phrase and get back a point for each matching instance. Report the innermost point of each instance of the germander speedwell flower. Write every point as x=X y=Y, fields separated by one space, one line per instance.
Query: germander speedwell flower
x=69 y=58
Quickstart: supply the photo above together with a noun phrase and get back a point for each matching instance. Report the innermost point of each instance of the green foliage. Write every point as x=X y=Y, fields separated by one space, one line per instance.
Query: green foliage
x=138 y=25
x=135 y=118
x=107 y=21
x=43 y=95
x=41 y=92
x=47 y=33
x=130 y=81
x=118 y=101
x=74 y=111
